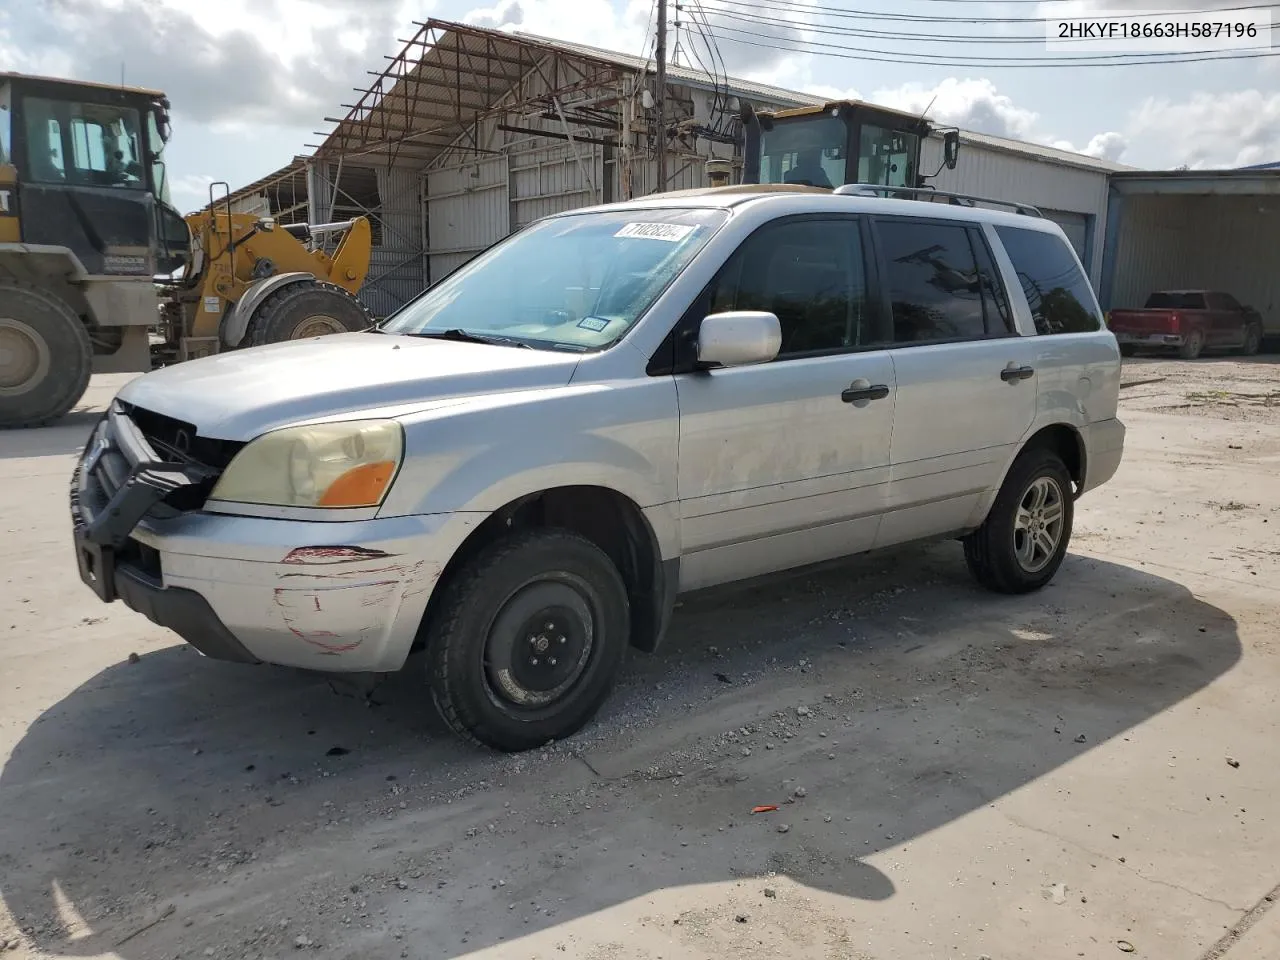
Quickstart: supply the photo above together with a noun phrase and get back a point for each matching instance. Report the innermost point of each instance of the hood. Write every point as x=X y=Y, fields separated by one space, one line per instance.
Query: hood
x=240 y=394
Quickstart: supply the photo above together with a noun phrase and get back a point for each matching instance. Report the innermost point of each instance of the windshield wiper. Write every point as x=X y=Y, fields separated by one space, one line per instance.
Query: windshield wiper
x=466 y=336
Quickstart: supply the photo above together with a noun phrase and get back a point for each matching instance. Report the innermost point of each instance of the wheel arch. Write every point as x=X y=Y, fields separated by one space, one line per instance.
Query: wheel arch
x=236 y=322
x=53 y=269
x=612 y=521
x=1066 y=441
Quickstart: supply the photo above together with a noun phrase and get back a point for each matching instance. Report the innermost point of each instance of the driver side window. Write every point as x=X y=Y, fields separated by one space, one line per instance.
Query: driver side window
x=811 y=275
x=44 y=142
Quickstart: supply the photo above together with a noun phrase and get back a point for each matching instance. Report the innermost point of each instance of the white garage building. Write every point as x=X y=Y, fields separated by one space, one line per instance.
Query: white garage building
x=469 y=134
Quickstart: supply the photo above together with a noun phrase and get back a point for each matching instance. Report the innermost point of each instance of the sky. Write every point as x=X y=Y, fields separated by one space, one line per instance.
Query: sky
x=251 y=81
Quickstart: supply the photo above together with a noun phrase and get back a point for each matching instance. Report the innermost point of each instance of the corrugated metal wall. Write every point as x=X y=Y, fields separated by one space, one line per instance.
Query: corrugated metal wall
x=474 y=201
x=549 y=176
x=1228 y=243
x=467 y=210
x=395 y=268
x=987 y=172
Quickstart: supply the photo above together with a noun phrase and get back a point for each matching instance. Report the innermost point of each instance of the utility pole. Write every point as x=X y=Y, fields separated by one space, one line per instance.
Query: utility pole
x=660 y=99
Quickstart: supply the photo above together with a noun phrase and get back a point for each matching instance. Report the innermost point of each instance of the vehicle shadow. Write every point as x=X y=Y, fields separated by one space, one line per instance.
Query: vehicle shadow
x=225 y=791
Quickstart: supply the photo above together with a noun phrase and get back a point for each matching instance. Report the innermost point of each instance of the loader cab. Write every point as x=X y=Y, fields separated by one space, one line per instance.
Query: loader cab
x=838 y=143
x=87 y=173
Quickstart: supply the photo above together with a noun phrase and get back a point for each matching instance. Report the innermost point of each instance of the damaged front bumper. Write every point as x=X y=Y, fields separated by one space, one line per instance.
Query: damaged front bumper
x=333 y=596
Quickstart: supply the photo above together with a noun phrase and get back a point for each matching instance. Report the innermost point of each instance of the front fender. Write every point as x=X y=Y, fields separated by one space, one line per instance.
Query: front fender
x=236 y=322
x=486 y=452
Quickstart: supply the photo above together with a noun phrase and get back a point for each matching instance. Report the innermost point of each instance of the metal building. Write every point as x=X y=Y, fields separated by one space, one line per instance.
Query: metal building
x=469 y=134
x=1194 y=229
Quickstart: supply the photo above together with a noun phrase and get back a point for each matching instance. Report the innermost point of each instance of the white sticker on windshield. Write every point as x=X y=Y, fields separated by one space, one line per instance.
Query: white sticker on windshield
x=671 y=232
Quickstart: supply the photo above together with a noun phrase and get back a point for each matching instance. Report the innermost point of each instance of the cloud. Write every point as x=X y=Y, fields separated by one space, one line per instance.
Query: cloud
x=969 y=104
x=235 y=63
x=1104 y=146
x=597 y=23
x=191 y=191
x=1212 y=130
x=593 y=22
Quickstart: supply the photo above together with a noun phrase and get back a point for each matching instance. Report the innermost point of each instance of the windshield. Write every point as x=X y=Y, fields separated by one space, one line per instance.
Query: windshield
x=573 y=283
x=809 y=150
x=90 y=144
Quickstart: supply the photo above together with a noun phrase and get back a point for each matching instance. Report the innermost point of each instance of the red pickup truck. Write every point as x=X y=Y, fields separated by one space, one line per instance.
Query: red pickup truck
x=1189 y=321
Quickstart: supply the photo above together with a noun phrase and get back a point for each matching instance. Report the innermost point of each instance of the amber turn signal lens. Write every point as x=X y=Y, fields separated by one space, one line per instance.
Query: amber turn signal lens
x=360 y=486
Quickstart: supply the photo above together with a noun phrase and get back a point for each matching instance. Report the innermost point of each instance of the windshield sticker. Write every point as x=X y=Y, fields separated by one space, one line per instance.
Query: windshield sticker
x=595 y=324
x=670 y=232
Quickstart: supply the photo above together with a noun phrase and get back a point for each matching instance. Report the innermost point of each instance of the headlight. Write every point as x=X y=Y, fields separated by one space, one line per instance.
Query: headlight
x=330 y=465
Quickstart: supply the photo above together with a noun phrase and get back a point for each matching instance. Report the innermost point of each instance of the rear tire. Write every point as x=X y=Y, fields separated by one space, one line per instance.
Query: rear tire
x=45 y=356
x=1127 y=350
x=527 y=640
x=1024 y=539
x=1252 y=340
x=1192 y=346
x=305 y=309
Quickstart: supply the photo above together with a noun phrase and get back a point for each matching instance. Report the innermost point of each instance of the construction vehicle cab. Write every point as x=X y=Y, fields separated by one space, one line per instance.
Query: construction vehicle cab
x=85 y=225
x=93 y=255
x=839 y=143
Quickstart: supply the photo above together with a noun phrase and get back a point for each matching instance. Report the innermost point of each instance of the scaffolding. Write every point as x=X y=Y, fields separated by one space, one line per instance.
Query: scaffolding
x=533 y=124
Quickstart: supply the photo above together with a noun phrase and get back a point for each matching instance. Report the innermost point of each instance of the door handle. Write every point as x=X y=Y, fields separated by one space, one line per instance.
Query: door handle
x=856 y=393
x=1012 y=374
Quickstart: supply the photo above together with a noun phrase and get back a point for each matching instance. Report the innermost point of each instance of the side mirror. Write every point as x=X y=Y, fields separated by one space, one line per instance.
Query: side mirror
x=950 y=148
x=738 y=338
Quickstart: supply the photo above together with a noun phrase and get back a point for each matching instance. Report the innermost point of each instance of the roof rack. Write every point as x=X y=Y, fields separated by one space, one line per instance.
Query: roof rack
x=929 y=193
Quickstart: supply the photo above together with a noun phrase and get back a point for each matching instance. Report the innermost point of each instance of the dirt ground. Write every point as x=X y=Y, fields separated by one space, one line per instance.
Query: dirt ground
x=1088 y=772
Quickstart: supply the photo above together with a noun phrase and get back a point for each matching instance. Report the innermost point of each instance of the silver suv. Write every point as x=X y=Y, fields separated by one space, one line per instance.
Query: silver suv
x=520 y=470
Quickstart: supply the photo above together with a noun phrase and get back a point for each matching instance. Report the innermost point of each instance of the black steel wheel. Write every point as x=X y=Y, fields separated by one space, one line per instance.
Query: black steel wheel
x=527 y=640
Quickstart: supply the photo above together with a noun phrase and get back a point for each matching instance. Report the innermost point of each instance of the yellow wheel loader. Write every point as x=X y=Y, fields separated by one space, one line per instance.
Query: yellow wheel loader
x=250 y=281
x=88 y=238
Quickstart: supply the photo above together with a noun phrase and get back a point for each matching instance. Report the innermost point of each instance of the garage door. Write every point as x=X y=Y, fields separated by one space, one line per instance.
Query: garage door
x=1074 y=225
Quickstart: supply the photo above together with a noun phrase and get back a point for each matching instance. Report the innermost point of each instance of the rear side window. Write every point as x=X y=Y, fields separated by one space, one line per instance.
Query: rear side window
x=939 y=288
x=1177 y=301
x=1057 y=290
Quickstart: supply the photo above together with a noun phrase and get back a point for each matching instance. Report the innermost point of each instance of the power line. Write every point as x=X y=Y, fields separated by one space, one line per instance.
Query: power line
x=718 y=71
x=930 y=57
x=845 y=53
x=872 y=34
x=922 y=18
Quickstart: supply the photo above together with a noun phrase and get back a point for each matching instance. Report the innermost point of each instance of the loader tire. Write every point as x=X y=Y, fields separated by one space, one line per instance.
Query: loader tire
x=308 y=308
x=45 y=356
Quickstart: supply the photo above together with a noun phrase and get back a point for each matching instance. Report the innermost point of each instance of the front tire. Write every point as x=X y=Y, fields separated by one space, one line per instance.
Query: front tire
x=1024 y=539
x=45 y=357
x=305 y=309
x=528 y=639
